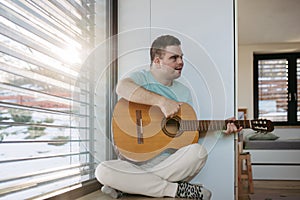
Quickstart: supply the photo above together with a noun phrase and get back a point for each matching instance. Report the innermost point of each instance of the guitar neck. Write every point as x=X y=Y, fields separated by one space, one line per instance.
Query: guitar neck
x=210 y=125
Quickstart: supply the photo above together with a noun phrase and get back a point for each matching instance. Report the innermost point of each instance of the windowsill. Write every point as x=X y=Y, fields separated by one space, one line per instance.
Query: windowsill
x=87 y=188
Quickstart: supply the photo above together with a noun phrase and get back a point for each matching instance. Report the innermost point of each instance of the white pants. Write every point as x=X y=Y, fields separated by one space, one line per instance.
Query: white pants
x=158 y=181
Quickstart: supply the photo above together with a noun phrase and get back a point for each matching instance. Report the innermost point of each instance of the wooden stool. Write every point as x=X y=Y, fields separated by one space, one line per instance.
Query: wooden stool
x=245 y=174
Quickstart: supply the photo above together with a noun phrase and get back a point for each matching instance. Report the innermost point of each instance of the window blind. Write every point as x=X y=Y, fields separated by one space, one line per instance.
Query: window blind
x=273 y=89
x=45 y=134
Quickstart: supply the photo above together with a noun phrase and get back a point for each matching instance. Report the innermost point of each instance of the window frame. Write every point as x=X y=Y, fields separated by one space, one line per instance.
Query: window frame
x=292 y=85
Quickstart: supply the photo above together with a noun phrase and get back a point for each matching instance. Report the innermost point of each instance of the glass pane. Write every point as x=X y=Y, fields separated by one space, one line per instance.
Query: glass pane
x=46 y=140
x=273 y=89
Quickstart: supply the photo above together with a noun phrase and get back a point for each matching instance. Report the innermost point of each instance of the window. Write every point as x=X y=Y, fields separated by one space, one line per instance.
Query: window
x=47 y=121
x=277 y=87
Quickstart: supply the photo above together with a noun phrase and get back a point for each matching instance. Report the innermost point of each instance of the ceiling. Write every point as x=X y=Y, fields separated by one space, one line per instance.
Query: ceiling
x=268 y=21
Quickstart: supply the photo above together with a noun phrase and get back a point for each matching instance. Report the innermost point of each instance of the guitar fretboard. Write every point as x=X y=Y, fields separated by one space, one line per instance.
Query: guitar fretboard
x=210 y=125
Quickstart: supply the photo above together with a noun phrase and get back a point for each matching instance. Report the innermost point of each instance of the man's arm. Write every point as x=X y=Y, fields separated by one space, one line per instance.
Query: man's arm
x=130 y=91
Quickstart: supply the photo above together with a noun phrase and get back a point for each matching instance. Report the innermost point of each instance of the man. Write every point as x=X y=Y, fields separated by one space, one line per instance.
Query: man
x=167 y=175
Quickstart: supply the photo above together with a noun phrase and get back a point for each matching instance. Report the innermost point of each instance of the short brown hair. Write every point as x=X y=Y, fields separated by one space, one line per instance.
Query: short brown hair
x=159 y=45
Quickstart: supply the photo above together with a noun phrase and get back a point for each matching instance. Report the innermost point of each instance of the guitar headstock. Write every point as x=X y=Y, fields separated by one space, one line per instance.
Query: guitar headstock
x=262 y=125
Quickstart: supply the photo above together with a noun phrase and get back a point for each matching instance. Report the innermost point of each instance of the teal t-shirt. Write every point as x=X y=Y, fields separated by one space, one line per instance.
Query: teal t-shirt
x=177 y=91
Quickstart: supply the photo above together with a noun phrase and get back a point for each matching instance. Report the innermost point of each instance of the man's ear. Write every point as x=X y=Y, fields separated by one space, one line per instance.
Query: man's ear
x=157 y=61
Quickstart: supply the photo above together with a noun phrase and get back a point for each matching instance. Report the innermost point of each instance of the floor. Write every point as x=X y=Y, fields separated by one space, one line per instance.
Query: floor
x=272 y=190
x=283 y=188
x=98 y=195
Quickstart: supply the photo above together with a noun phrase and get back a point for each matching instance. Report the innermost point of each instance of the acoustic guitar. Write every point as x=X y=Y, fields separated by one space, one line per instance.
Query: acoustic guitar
x=141 y=132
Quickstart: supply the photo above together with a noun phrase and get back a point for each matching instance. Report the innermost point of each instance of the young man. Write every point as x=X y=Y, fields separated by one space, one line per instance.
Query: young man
x=166 y=175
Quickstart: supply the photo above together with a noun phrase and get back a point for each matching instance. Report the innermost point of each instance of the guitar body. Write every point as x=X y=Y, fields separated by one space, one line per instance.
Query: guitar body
x=141 y=132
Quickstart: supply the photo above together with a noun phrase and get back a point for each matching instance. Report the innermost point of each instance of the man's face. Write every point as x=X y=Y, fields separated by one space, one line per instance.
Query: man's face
x=171 y=62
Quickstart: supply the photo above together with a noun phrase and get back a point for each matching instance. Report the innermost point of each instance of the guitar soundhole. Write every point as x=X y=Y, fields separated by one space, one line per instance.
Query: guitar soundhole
x=172 y=127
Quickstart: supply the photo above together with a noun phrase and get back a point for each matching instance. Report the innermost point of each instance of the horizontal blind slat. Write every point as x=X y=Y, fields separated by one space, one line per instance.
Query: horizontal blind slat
x=45 y=180
x=43 y=141
x=23 y=39
x=43 y=157
x=11 y=15
x=46 y=171
x=40 y=125
x=33 y=76
x=35 y=61
x=58 y=5
x=37 y=94
x=40 y=110
x=66 y=29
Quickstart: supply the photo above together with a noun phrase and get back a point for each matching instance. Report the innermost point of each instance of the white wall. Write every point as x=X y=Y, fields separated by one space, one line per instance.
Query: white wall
x=205 y=28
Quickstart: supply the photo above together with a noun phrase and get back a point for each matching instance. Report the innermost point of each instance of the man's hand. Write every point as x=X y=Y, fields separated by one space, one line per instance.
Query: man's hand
x=231 y=127
x=169 y=107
